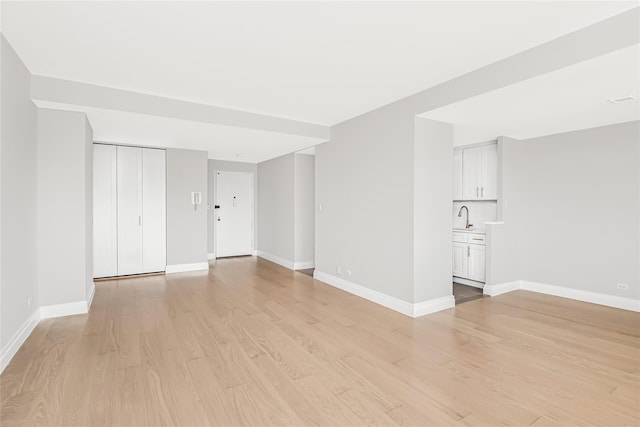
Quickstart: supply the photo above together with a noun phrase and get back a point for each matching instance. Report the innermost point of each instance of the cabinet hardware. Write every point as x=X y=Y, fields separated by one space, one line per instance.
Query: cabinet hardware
x=482 y=191
x=468 y=251
x=477 y=191
x=473 y=238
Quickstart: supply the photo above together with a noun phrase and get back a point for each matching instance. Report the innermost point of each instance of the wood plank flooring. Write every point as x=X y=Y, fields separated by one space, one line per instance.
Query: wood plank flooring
x=251 y=343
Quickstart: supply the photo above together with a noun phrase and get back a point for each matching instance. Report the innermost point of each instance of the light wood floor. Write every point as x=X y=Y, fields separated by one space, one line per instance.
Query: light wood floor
x=252 y=343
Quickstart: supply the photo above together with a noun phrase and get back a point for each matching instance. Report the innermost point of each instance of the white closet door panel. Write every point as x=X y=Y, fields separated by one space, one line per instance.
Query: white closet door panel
x=105 y=228
x=129 y=210
x=153 y=211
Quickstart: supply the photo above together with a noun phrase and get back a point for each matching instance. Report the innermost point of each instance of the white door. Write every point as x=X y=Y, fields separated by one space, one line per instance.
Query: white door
x=476 y=267
x=105 y=227
x=153 y=211
x=471 y=164
x=489 y=172
x=457 y=174
x=460 y=259
x=129 y=210
x=233 y=215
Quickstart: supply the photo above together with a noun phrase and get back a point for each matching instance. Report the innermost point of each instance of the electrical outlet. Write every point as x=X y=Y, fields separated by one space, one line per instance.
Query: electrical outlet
x=338 y=269
x=28 y=302
x=623 y=286
x=349 y=273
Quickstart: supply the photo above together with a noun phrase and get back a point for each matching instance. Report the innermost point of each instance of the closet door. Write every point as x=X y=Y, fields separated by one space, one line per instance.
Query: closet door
x=129 y=210
x=153 y=211
x=105 y=227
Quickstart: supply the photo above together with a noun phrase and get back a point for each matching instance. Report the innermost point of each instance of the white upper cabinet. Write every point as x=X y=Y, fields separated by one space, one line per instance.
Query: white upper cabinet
x=457 y=174
x=478 y=176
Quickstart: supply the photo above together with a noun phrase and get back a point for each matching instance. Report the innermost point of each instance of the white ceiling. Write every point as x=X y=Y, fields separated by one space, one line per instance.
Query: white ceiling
x=572 y=98
x=318 y=62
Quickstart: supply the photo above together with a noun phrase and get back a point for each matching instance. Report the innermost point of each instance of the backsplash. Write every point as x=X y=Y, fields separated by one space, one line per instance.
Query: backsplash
x=479 y=213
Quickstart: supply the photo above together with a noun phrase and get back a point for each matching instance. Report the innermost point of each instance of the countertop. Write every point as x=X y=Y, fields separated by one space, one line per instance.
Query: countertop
x=472 y=230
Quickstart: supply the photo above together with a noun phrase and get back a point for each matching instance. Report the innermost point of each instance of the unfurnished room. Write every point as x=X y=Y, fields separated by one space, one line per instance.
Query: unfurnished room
x=319 y=213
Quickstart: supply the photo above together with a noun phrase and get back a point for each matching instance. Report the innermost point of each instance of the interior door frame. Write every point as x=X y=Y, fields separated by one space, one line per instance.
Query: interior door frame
x=215 y=202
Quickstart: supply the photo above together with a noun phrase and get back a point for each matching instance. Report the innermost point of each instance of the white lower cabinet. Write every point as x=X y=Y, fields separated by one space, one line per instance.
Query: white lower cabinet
x=469 y=256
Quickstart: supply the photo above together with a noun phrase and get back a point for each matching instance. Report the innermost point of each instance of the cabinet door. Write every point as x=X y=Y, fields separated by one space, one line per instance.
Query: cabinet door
x=489 y=172
x=457 y=174
x=105 y=227
x=460 y=259
x=129 y=210
x=153 y=211
x=471 y=163
x=476 y=268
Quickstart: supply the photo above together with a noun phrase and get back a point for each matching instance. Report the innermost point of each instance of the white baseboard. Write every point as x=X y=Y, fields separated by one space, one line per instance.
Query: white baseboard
x=212 y=255
x=67 y=309
x=181 y=268
x=278 y=260
x=502 y=288
x=254 y=253
x=16 y=341
x=560 y=291
x=396 y=304
x=468 y=282
x=304 y=264
x=433 y=305
x=92 y=293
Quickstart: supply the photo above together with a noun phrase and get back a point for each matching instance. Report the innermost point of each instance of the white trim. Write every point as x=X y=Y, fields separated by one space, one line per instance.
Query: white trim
x=303 y=264
x=502 y=288
x=396 y=304
x=623 y=303
x=278 y=260
x=211 y=255
x=433 y=305
x=385 y=300
x=468 y=282
x=67 y=309
x=181 y=268
x=92 y=293
x=18 y=339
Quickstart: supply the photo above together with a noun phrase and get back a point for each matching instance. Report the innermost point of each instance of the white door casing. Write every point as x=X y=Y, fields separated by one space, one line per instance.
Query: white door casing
x=233 y=217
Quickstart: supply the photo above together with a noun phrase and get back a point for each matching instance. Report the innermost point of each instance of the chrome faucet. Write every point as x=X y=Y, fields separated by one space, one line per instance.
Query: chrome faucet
x=466 y=224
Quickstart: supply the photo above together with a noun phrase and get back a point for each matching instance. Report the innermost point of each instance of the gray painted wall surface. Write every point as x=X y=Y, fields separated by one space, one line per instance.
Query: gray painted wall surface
x=88 y=159
x=222 y=165
x=186 y=227
x=574 y=200
x=304 y=207
x=276 y=207
x=18 y=174
x=364 y=181
x=432 y=222
x=65 y=206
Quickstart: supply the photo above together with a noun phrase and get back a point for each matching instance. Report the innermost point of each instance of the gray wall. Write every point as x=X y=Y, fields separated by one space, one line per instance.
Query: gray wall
x=186 y=227
x=364 y=182
x=18 y=172
x=432 y=222
x=222 y=165
x=574 y=200
x=276 y=207
x=65 y=206
x=304 y=208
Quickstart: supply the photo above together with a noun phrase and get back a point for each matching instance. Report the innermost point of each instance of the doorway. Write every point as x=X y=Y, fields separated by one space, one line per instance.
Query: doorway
x=233 y=213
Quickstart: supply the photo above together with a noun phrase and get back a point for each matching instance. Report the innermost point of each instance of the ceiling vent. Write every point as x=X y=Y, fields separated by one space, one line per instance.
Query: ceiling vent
x=625 y=98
